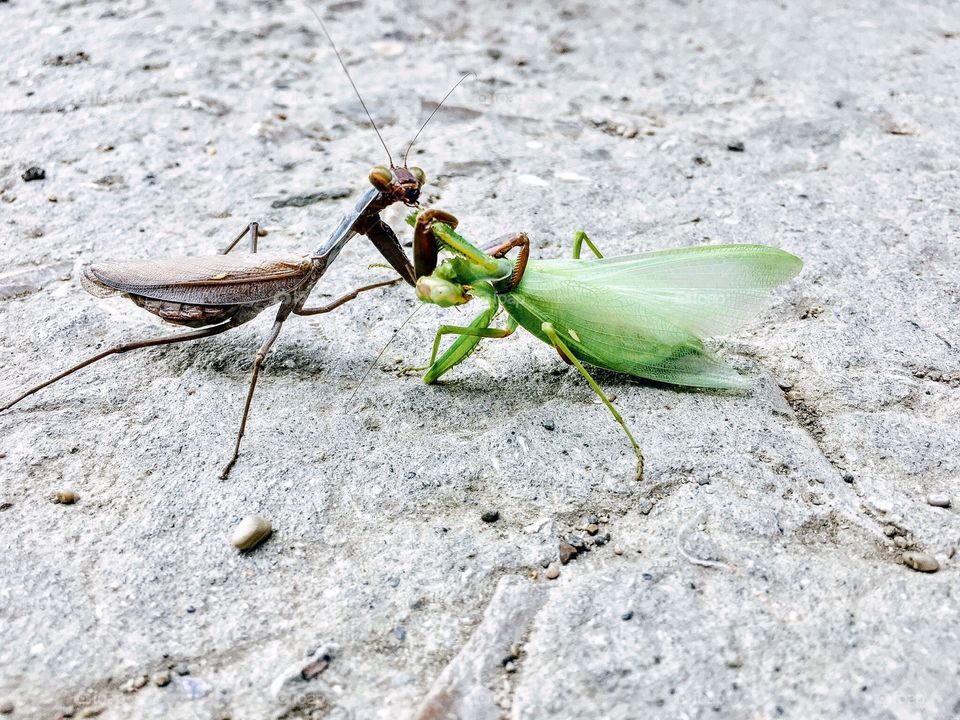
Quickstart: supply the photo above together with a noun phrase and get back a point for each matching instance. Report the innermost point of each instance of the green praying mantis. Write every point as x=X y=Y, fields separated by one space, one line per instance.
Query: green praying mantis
x=643 y=315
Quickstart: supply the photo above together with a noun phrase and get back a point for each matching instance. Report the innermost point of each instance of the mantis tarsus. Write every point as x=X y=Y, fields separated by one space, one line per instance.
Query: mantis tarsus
x=644 y=315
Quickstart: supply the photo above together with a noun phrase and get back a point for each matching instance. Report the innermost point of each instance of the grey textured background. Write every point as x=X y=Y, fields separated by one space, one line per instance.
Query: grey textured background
x=761 y=583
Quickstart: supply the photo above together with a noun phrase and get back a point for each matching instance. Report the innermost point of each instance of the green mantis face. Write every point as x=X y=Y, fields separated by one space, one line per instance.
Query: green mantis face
x=459 y=278
x=442 y=292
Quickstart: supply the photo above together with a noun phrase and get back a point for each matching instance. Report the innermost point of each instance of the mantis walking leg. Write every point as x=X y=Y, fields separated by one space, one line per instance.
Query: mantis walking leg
x=561 y=347
x=579 y=238
x=345 y=298
x=461 y=348
x=471 y=335
x=257 y=364
x=127 y=347
x=252 y=231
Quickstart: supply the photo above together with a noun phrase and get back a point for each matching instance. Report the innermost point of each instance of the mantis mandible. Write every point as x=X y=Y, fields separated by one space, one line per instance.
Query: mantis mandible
x=643 y=315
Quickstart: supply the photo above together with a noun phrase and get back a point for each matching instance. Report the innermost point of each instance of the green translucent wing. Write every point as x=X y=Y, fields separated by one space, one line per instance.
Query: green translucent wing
x=645 y=314
x=707 y=289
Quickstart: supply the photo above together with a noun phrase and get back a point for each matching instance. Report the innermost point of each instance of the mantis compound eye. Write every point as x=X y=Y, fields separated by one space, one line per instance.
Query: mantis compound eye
x=381 y=178
x=441 y=292
x=419 y=175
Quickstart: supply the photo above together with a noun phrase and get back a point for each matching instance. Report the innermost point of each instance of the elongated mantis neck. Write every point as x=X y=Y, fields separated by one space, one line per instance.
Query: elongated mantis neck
x=490 y=268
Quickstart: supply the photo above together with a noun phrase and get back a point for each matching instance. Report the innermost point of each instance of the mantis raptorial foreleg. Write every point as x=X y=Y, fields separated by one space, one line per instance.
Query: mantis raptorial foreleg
x=551 y=332
x=579 y=238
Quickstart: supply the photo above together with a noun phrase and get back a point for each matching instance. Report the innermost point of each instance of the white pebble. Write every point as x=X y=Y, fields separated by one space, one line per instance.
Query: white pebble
x=250 y=532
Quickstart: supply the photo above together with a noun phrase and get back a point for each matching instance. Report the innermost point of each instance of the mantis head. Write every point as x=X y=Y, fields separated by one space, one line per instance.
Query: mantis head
x=400 y=183
x=442 y=292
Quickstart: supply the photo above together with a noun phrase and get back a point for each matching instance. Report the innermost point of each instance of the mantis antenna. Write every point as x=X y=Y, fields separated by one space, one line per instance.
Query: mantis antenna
x=352 y=83
x=382 y=351
x=439 y=105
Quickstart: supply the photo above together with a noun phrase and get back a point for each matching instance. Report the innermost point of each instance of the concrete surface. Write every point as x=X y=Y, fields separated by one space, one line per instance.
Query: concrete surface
x=756 y=571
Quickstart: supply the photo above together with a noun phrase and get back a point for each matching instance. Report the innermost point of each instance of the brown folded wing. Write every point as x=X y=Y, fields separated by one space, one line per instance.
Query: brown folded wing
x=201 y=280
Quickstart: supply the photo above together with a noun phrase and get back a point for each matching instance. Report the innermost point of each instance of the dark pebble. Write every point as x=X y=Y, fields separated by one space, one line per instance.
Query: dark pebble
x=576 y=541
x=848 y=477
x=33 y=173
x=602 y=538
x=490 y=516
x=548 y=425
x=591 y=520
x=735 y=146
x=567 y=553
x=310 y=671
x=628 y=615
x=191 y=609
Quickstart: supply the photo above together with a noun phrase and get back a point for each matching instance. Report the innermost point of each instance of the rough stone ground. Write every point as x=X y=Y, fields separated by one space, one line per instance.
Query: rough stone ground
x=761 y=583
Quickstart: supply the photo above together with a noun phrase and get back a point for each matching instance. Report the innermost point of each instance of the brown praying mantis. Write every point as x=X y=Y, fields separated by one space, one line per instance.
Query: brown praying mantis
x=216 y=293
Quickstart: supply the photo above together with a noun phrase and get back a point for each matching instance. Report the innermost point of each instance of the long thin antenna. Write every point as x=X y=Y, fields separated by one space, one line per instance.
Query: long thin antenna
x=352 y=83
x=439 y=105
x=382 y=351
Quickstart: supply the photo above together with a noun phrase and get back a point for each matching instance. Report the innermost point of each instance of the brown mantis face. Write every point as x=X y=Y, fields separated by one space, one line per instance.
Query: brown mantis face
x=401 y=183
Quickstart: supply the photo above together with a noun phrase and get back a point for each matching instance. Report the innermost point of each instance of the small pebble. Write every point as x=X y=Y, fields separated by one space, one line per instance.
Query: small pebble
x=250 y=532
x=490 y=516
x=890 y=530
x=567 y=553
x=938 y=500
x=181 y=669
x=628 y=615
x=604 y=519
x=161 y=679
x=553 y=572
x=592 y=529
x=576 y=541
x=900 y=541
x=848 y=477
x=602 y=539
x=65 y=497
x=548 y=425
x=311 y=670
x=735 y=146
x=617 y=550
x=6 y=707
x=93 y=711
x=33 y=173
x=921 y=562
x=591 y=520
